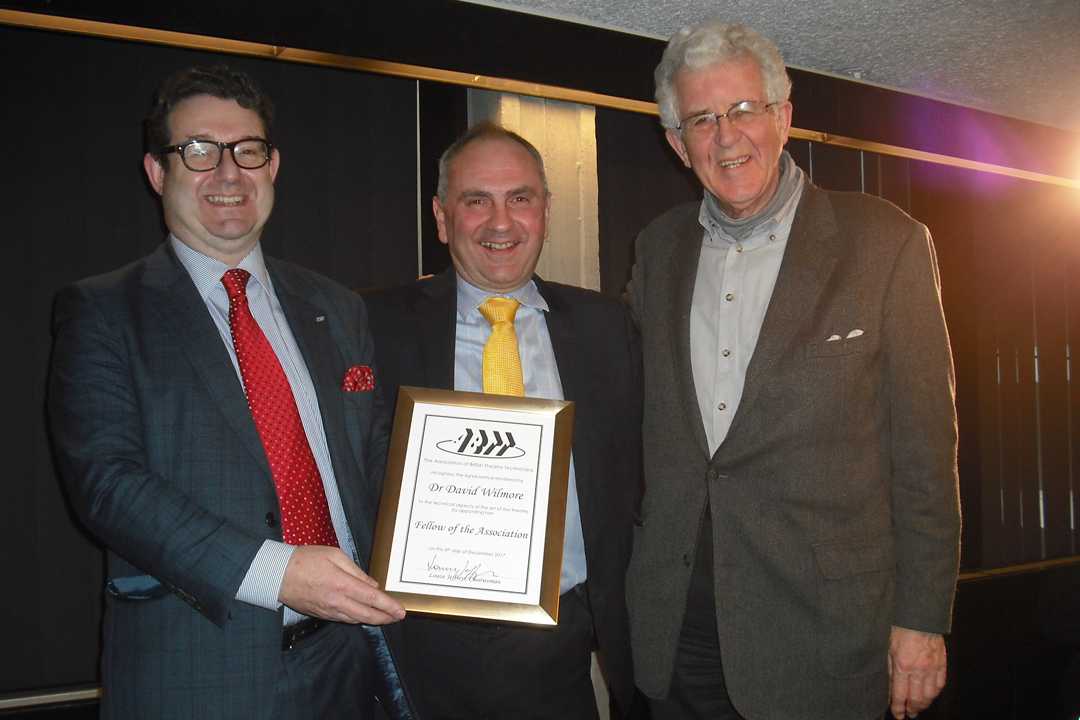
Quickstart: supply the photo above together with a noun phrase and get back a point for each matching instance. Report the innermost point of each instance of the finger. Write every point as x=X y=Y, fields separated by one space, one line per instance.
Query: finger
x=939 y=677
x=360 y=612
x=916 y=700
x=900 y=693
x=927 y=691
x=347 y=565
x=375 y=601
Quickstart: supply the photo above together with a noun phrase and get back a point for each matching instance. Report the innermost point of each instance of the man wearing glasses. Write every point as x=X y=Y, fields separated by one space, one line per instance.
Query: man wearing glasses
x=199 y=401
x=798 y=548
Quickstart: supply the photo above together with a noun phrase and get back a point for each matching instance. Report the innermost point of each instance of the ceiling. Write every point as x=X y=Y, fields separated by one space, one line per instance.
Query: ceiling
x=1012 y=57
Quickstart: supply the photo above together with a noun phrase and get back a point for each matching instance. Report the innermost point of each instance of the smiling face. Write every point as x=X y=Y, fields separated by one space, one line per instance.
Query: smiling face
x=739 y=165
x=494 y=219
x=221 y=212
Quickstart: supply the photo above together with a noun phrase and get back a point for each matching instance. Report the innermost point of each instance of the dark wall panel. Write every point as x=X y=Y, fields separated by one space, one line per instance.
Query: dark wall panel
x=444 y=115
x=639 y=177
x=79 y=205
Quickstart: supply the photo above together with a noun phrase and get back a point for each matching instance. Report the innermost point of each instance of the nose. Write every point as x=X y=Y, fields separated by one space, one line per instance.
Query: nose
x=726 y=132
x=227 y=168
x=500 y=217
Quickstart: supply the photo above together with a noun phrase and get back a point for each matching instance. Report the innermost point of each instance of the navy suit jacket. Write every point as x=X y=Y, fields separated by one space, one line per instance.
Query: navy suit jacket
x=163 y=464
x=598 y=357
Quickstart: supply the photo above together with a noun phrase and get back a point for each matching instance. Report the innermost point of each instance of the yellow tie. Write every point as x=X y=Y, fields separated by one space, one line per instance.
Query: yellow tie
x=502 y=364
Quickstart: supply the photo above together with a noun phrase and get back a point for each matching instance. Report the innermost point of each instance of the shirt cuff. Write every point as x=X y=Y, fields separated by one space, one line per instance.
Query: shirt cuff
x=262 y=583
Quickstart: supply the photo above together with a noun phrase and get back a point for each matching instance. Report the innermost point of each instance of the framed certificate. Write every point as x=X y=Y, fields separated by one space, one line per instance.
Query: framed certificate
x=473 y=505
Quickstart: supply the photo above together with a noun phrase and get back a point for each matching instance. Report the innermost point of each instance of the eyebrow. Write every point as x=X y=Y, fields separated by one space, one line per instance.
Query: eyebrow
x=474 y=193
x=470 y=194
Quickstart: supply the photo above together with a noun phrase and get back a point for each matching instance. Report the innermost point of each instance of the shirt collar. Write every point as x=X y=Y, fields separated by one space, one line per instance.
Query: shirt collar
x=470 y=297
x=206 y=271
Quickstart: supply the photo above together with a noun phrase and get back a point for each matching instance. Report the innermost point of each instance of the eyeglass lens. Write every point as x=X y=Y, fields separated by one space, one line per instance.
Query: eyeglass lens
x=739 y=113
x=248 y=154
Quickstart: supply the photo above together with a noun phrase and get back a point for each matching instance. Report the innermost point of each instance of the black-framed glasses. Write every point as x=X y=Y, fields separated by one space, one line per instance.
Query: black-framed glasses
x=205 y=155
x=743 y=113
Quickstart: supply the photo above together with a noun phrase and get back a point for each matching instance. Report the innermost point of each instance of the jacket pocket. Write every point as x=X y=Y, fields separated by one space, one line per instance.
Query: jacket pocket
x=855 y=589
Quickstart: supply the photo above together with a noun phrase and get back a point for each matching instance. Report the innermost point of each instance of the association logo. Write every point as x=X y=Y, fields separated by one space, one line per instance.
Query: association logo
x=495 y=444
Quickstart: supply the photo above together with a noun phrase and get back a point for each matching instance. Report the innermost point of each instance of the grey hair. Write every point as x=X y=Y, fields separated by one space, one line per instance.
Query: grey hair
x=484 y=131
x=710 y=42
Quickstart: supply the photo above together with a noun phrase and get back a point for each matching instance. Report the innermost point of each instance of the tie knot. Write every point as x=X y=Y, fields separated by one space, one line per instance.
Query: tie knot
x=235 y=282
x=499 y=309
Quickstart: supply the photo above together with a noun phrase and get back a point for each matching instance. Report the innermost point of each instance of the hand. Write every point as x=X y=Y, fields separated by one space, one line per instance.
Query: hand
x=323 y=582
x=916 y=670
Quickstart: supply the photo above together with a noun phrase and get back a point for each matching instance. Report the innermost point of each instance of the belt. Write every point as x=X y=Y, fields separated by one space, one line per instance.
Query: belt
x=292 y=634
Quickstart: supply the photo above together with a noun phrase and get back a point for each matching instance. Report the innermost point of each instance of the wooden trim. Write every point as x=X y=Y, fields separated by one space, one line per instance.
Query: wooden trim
x=29 y=700
x=1021 y=569
x=417 y=72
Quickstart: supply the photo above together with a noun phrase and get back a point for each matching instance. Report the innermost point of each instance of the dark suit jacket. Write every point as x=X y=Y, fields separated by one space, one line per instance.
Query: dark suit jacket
x=834 y=496
x=596 y=350
x=164 y=465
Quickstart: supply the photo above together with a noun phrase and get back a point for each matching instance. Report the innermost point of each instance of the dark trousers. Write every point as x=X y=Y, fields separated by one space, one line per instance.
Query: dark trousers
x=697 y=686
x=488 y=671
x=326 y=675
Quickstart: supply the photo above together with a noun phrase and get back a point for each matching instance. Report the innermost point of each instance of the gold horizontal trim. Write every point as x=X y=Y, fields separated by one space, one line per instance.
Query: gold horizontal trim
x=912 y=154
x=312 y=57
x=29 y=700
x=1021 y=569
x=481 y=82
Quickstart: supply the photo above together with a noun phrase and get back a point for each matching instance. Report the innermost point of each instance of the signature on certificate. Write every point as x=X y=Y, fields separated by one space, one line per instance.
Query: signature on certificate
x=468 y=572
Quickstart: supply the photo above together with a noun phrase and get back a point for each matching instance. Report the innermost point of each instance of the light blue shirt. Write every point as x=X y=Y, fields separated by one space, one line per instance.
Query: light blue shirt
x=262 y=583
x=541 y=375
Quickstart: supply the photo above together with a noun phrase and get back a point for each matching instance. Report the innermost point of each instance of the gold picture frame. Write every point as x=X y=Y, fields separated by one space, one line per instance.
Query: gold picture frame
x=472 y=481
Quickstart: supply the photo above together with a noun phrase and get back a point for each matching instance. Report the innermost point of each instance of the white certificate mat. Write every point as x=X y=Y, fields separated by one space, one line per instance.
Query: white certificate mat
x=474 y=503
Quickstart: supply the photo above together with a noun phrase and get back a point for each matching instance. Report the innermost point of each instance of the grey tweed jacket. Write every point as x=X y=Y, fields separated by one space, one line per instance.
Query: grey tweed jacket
x=833 y=499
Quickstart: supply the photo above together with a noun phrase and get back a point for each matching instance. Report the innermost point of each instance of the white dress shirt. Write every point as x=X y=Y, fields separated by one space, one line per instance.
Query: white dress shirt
x=735 y=281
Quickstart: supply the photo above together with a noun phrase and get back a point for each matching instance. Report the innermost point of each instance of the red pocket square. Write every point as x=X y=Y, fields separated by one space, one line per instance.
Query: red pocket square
x=359 y=378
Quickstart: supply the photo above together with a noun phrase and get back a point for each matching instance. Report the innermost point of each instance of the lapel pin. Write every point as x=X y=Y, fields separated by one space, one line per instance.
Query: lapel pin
x=320 y=318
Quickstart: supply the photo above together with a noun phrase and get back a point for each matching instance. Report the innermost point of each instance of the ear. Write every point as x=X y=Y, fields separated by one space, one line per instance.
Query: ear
x=674 y=138
x=155 y=172
x=547 y=215
x=783 y=118
x=275 y=163
x=440 y=219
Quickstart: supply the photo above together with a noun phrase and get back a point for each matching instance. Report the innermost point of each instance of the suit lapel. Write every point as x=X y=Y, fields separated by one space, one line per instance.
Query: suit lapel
x=683 y=266
x=436 y=331
x=307 y=319
x=303 y=306
x=570 y=346
x=184 y=316
x=812 y=250
x=561 y=332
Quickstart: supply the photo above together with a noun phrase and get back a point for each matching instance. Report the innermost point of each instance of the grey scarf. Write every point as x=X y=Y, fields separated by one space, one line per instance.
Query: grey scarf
x=713 y=217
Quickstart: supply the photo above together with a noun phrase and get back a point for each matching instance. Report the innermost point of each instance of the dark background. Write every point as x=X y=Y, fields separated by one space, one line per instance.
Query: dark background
x=75 y=203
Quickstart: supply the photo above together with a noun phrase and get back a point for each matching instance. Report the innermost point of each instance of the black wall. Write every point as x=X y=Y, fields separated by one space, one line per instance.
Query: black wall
x=75 y=203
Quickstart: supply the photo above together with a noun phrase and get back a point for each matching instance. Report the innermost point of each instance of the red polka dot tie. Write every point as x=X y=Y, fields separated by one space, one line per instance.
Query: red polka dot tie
x=305 y=515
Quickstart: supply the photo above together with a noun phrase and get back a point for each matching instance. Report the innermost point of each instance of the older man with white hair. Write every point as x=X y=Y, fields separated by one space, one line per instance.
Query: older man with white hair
x=798 y=546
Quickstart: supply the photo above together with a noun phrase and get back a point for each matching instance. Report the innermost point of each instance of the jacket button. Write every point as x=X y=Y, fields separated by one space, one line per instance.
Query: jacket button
x=713 y=474
x=686 y=559
x=271 y=520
